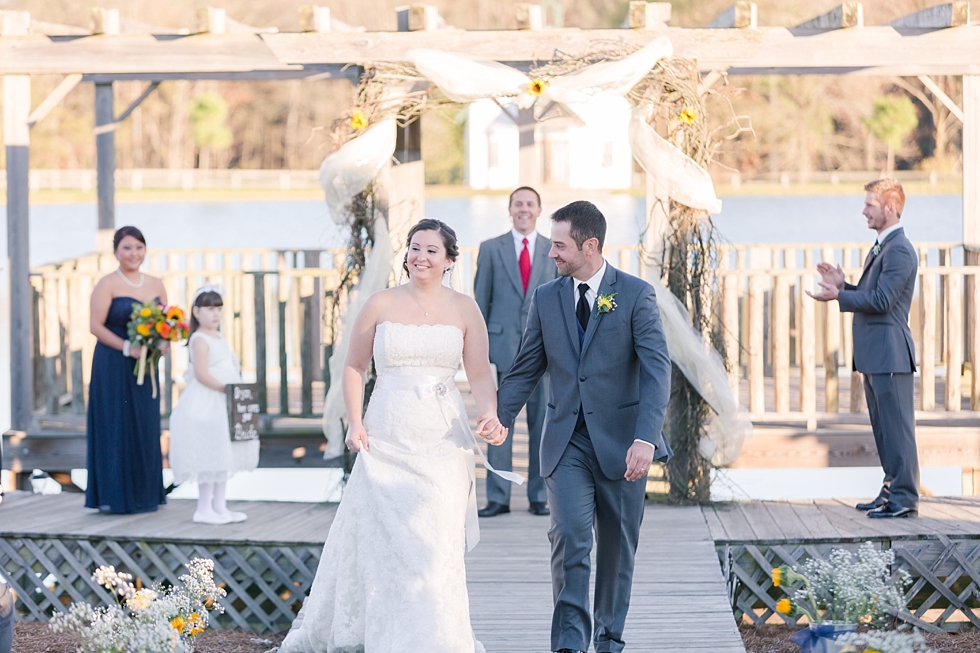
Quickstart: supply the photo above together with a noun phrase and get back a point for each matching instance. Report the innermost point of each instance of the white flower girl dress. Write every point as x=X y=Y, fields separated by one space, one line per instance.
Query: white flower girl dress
x=200 y=447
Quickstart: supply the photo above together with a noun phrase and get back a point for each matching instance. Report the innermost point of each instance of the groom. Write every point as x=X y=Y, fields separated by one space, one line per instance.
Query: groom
x=597 y=331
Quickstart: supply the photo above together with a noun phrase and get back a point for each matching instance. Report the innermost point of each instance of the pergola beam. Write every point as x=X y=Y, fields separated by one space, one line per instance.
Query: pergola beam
x=951 y=14
x=882 y=51
x=947 y=101
x=849 y=14
x=740 y=15
x=114 y=125
x=57 y=95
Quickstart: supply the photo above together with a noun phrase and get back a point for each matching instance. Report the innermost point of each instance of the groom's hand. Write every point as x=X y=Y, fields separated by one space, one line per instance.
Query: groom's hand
x=490 y=429
x=638 y=461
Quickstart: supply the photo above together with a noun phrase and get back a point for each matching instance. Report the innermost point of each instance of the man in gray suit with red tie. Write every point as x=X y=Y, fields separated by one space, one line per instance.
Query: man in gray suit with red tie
x=508 y=270
x=883 y=348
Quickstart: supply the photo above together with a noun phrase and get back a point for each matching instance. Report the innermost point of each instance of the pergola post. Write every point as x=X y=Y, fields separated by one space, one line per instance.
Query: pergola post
x=105 y=157
x=16 y=312
x=971 y=167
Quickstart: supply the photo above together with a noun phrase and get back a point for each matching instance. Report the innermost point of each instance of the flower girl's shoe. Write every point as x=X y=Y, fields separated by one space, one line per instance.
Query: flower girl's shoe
x=235 y=517
x=212 y=518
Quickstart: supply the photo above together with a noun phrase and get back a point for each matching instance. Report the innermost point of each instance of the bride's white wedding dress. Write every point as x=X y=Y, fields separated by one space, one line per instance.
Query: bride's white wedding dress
x=392 y=579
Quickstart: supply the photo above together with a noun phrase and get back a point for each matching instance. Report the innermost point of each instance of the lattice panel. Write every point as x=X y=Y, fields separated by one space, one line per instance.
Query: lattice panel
x=944 y=572
x=265 y=584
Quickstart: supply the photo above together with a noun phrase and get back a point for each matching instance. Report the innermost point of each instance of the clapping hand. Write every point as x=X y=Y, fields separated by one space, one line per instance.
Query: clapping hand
x=831 y=282
x=490 y=429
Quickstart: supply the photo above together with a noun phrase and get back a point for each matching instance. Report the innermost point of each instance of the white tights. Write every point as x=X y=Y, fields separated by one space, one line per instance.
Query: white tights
x=211 y=498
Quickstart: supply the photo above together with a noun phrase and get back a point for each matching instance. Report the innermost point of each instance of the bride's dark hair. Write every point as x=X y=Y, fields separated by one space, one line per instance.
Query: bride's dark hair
x=431 y=224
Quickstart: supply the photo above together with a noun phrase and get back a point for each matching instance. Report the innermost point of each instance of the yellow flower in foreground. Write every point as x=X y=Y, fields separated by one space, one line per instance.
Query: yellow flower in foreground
x=784 y=606
x=146 y=312
x=358 y=120
x=143 y=330
x=196 y=624
x=777 y=577
x=871 y=650
x=178 y=623
x=687 y=116
x=536 y=87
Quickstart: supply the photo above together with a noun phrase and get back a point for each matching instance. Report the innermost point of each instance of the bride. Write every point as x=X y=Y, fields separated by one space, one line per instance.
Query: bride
x=391 y=578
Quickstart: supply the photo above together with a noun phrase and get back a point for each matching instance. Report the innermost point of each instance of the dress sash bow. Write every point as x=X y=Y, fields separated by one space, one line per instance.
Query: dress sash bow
x=453 y=412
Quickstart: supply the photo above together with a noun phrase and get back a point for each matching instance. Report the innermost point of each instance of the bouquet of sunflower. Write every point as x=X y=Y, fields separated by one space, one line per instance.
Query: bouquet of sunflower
x=150 y=326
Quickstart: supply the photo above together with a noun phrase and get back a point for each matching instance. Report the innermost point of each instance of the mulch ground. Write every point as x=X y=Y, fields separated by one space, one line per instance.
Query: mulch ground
x=776 y=639
x=34 y=637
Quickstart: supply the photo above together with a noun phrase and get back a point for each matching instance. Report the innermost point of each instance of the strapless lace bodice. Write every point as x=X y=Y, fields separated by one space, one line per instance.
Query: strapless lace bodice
x=434 y=349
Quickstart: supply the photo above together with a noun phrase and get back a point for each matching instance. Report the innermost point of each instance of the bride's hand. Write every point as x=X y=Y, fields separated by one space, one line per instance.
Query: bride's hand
x=490 y=429
x=357 y=439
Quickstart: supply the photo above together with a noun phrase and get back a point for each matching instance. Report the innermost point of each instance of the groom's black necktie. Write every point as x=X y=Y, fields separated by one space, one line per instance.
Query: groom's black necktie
x=582 y=310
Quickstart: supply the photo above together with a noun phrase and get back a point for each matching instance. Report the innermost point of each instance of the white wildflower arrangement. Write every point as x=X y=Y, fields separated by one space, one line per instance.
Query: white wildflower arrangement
x=878 y=641
x=146 y=620
x=845 y=588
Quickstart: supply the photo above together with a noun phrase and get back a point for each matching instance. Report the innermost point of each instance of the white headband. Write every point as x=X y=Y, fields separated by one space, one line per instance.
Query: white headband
x=208 y=287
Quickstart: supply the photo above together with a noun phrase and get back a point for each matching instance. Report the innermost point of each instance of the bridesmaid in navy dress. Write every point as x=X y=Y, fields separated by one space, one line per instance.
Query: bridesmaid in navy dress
x=125 y=463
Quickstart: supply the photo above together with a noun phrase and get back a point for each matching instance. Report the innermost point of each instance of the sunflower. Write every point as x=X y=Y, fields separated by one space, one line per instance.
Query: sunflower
x=777 y=577
x=358 y=120
x=174 y=313
x=687 y=116
x=785 y=606
x=146 y=312
x=143 y=330
x=536 y=87
x=178 y=623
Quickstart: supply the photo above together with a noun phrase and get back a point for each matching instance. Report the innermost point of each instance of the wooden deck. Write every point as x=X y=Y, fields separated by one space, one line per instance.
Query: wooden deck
x=939 y=550
x=836 y=520
x=508 y=573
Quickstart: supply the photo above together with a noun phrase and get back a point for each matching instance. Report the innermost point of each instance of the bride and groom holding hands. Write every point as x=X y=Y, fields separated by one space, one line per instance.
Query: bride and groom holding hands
x=392 y=576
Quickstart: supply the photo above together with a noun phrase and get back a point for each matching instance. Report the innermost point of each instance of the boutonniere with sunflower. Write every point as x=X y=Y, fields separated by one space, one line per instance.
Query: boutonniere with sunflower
x=605 y=304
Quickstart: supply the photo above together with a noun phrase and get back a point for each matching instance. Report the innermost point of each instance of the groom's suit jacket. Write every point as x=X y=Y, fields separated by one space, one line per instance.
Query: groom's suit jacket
x=881 y=302
x=619 y=375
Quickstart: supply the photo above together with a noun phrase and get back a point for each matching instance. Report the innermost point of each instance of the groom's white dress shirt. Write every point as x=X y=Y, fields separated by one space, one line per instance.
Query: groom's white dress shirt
x=590 y=297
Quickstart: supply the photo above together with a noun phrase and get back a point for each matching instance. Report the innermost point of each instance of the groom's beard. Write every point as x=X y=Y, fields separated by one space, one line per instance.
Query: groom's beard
x=568 y=268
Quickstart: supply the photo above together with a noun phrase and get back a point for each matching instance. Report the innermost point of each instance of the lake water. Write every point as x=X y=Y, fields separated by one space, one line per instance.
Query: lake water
x=60 y=231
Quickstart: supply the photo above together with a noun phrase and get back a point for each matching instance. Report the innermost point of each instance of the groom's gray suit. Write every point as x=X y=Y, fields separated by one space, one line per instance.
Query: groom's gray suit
x=610 y=384
x=885 y=354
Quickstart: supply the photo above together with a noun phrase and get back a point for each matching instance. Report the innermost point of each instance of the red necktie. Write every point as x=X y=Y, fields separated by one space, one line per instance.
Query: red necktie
x=525 y=265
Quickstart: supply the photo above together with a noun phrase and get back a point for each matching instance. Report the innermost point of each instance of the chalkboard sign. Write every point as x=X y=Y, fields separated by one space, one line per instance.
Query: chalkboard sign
x=243 y=411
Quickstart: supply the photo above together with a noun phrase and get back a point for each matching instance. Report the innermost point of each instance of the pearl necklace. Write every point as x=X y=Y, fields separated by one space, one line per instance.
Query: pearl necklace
x=128 y=282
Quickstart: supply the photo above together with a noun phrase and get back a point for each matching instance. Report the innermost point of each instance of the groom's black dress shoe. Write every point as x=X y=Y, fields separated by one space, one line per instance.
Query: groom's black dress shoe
x=870 y=505
x=538 y=508
x=889 y=511
x=567 y=650
x=493 y=509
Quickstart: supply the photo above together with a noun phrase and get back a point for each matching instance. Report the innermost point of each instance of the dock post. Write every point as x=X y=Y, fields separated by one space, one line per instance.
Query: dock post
x=16 y=313
x=105 y=163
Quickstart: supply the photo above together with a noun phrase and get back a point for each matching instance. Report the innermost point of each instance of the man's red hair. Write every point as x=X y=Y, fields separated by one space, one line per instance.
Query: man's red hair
x=889 y=192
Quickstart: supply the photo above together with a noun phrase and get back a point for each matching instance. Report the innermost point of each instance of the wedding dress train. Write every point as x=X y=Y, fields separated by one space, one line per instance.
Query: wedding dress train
x=392 y=578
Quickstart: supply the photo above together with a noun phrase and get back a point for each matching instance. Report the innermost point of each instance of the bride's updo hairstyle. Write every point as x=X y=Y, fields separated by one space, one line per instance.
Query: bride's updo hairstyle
x=431 y=224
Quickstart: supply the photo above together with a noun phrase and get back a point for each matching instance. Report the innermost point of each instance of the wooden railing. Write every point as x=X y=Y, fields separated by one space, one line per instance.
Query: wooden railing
x=775 y=337
x=789 y=357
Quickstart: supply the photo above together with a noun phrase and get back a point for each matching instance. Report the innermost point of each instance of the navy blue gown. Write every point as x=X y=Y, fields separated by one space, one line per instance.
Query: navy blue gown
x=125 y=463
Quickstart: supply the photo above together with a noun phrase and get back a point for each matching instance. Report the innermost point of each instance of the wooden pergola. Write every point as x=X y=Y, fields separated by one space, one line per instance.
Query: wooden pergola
x=936 y=41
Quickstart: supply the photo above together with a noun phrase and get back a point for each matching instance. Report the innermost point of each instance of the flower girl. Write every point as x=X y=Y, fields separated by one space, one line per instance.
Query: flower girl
x=201 y=448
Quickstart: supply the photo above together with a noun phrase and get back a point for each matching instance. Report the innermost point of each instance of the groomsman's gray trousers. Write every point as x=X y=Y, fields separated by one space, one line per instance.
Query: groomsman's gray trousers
x=891 y=407
x=582 y=499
